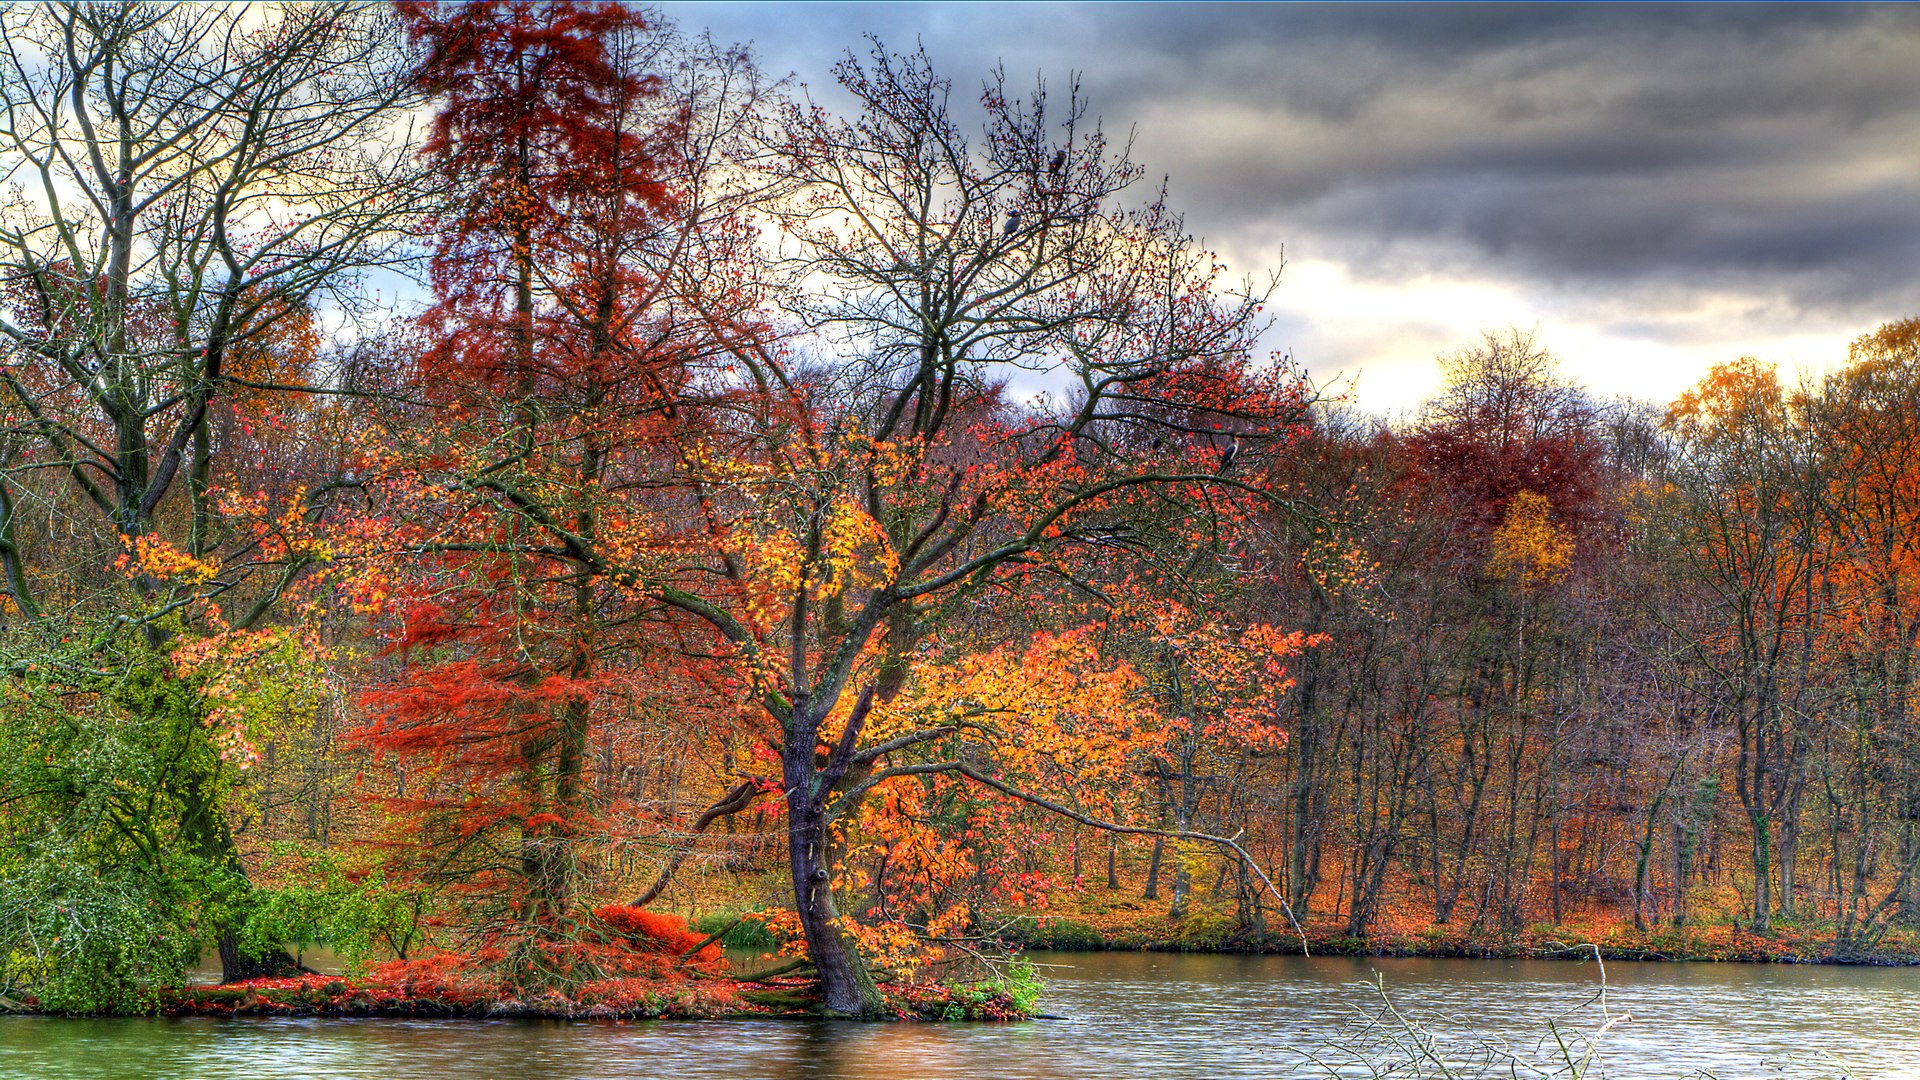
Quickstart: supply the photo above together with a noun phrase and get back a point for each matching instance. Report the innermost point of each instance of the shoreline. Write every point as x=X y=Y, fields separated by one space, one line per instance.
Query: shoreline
x=795 y=998
x=1201 y=933
x=340 y=997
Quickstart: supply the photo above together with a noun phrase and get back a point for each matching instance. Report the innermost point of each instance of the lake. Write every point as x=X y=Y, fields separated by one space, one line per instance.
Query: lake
x=1126 y=1015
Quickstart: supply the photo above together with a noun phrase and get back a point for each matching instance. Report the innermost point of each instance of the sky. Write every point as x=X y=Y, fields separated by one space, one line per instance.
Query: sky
x=1652 y=189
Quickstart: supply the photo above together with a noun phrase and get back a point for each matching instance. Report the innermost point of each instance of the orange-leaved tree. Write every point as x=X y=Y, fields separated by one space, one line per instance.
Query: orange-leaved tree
x=883 y=480
x=820 y=490
x=1746 y=484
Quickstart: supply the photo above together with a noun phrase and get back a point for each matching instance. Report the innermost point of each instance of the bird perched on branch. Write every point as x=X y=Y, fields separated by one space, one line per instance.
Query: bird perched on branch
x=1059 y=163
x=1013 y=223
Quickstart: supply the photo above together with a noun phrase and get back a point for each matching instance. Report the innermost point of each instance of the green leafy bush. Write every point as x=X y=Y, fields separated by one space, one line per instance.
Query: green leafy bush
x=1017 y=984
x=78 y=940
x=741 y=933
x=1054 y=932
x=1205 y=933
x=324 y=905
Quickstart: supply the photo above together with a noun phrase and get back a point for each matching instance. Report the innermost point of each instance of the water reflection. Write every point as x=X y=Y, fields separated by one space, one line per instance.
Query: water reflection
x=1130 y=1014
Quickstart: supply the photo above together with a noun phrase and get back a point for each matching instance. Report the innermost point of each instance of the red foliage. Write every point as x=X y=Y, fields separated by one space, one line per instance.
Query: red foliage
x=1505 y=424
x=549 y=372
x=1472 y=480
x=659 y=932
x=556 y=174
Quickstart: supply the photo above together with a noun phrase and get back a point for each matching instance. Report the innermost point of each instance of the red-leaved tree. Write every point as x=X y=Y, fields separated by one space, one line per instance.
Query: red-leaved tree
x=562 y=360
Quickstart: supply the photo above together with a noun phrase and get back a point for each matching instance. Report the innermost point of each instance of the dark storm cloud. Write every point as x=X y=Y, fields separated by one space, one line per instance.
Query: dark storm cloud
x=1583 y=144
x=1768 y=148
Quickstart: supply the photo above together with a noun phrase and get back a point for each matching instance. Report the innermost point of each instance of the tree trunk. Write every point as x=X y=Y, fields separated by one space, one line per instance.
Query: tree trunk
x=238 y=966
x=1789 y=851
x=1640 y=871
x=1762 y=873
x=1309 y=797
x=1182 y=889
x=1182 y=874
x=846 y=986
x=212 y=840
x=1249 y=906
x=1557 y=870
x=1909 y=856
x=1369 y=874
x=1682 y=870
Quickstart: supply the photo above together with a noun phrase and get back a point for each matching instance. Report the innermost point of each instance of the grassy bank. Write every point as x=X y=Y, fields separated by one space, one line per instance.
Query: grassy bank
x=680 y=972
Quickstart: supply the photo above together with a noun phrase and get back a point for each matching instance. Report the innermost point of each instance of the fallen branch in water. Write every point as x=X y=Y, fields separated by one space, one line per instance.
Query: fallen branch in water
x=787 y=968
x=708 y=940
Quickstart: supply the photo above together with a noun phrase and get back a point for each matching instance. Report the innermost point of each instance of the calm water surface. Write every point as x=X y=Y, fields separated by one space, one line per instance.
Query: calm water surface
x=1128 y=1015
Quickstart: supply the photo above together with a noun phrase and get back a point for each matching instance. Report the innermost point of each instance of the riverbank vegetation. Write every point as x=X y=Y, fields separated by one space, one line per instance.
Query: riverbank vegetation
x=867 y=527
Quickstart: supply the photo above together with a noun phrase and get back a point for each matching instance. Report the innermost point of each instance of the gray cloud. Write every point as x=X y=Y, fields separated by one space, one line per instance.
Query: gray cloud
x=1770 y=152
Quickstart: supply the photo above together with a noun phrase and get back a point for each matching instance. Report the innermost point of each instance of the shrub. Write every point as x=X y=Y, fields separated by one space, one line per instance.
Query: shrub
x=1054 y=932
x=82 y=941
x=1009 y=992
x=655 y=931
x=742 y=931
x=1205 y=932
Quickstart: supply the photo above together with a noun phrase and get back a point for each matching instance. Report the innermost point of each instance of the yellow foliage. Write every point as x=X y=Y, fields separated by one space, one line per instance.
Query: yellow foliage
x=153 y=557
x=1528 y=548
x=258 y=686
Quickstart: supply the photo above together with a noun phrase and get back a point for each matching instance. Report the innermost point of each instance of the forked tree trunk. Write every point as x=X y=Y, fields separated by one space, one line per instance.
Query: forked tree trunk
x=846 y=986
x=1682 y=872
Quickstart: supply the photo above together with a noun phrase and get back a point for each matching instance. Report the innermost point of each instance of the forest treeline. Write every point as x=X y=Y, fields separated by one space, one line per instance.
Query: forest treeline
x=474 y=478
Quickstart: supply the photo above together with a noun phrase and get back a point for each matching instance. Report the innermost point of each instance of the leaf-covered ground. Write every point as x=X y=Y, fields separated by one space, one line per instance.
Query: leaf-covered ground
x=611 y=999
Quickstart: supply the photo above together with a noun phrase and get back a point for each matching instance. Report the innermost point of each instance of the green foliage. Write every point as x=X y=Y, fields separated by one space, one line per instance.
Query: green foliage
x=81 y=941
x=741 y=933
x=1054 y=932
x=1017 y=984
x=325 y=905
x=1343 y=945
x=121 y=763
x=1205 y=932
x=99 y=878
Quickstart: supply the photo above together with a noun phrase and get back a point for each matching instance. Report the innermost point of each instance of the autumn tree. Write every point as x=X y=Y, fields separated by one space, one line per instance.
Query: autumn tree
x=1865 y=419
x=865 y=498
x=819 y=517
x=567 y=361
x=1746 y=474
x=1508 y=456
x=193 y=186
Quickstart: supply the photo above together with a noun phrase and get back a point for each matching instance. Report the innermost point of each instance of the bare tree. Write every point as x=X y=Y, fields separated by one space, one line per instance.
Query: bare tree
x=188 y=184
